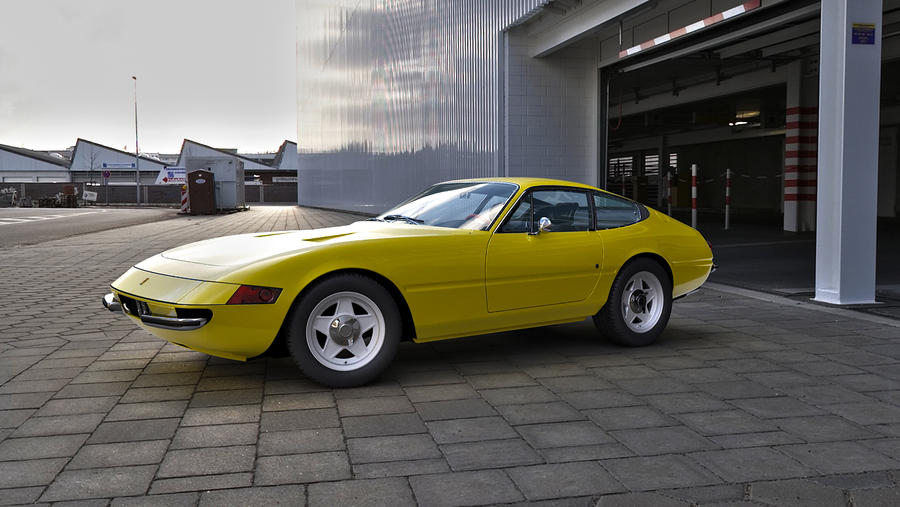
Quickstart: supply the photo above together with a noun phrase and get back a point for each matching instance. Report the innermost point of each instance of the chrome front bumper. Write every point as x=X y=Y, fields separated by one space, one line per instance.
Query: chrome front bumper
x=112 y=303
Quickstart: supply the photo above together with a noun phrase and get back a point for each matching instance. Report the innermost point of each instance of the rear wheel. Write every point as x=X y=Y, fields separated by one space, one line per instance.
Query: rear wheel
x=639 y=304
x=344 y=331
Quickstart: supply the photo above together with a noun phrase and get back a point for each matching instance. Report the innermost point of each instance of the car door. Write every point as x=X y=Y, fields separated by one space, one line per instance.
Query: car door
x=526 y=267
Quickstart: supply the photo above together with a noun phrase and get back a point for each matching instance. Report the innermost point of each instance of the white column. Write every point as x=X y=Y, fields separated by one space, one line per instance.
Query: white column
x=849 y=91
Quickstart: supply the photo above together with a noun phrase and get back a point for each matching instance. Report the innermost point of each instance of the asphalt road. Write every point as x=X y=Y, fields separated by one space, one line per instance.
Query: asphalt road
x=26 y=226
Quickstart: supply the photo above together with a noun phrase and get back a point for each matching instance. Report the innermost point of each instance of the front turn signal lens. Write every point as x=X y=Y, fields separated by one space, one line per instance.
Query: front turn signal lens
x=254 y=295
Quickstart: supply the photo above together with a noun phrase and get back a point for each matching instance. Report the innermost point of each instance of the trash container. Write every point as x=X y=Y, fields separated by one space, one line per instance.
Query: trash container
x=202 y=192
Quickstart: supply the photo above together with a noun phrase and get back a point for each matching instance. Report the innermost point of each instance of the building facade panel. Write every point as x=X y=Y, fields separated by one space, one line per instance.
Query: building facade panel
x=396 y=95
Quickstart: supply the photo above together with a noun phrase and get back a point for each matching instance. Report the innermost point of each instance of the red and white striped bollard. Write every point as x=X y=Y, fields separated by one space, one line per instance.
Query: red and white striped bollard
x=185 y=201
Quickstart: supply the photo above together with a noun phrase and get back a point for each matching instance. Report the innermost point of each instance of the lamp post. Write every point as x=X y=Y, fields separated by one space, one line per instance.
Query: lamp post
x=137 y=172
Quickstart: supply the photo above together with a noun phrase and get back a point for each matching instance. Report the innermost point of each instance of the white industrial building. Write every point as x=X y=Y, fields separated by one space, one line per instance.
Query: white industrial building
x=90 y=159
x=18 y=165
x=799 y=99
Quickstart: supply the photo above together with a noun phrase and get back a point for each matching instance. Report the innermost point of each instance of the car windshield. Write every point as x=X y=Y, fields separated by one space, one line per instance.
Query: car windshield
x=472 y=205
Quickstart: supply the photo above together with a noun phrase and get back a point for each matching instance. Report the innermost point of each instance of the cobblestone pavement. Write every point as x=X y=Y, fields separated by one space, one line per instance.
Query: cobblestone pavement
x=744 y=401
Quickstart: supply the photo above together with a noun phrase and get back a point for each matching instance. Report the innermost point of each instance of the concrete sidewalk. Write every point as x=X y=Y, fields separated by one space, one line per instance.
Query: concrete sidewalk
x=747 y=399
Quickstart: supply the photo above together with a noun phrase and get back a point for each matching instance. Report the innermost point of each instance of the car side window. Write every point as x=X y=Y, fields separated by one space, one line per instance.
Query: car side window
x=568 y=210
x=520 y=217
x=611 y=211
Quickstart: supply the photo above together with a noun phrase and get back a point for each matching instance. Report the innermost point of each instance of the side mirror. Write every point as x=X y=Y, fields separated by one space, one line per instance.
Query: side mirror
x=544 y=225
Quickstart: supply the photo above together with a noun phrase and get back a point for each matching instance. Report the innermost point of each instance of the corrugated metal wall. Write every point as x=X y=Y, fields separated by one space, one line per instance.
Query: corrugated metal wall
x=394 y=95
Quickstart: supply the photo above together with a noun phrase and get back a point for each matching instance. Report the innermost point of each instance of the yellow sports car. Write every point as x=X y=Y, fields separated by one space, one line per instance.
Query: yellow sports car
x=461 y=258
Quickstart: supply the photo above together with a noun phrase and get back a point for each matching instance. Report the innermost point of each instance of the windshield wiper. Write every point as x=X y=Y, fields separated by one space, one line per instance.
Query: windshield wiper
x=409 y=220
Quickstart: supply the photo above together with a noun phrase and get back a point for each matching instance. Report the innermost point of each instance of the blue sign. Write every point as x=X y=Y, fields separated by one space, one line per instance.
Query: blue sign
x=863 y=33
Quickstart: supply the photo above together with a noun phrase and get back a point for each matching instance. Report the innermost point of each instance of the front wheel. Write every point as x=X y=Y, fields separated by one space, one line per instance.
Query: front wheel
x=345 y=331
x=639 y=304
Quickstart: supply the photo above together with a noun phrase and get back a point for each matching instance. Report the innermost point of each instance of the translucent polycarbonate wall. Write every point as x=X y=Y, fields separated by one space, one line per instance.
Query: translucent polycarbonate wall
x=394 y=95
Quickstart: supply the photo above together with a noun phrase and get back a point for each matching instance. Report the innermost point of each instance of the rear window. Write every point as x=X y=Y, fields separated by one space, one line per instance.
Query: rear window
x=611 y=212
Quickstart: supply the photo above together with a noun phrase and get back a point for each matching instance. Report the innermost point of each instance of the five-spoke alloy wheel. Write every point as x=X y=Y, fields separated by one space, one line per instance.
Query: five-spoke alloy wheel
x=639 y=304
x=344 y=330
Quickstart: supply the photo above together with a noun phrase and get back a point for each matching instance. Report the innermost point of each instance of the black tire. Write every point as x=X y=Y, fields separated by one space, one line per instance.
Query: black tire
x=610 y=320
x=297 y=340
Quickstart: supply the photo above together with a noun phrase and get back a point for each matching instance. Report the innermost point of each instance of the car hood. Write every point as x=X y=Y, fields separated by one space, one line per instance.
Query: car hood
x=223 y=254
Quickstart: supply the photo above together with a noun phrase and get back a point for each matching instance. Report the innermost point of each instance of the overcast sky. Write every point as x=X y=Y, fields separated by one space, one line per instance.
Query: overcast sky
x=220 y=72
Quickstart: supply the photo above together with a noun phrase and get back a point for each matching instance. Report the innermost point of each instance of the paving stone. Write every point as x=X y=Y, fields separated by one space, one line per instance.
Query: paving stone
x=781 y=406
x=754 y=464
x=59 y=446
x=264 y=496
x=840 y=457
x=93 y=390
x=725 y=422
x=489 y=454
x=575 y=383
x=629 y=417
x=584 y=453
x=650 y=441
x=75 y=406
x=543 y=482
x=58 y=425
x=453 y=409
x=164 y=393
x=865 y=480
x=876 y=497
x=299 y=420
x=538 y=371
x=382 y=425
x=626 y=372
x=220 y=415
x=704 y=495
x=14 y=418
x=374 y=389
x=648 y=473
x=639 y=500
x=680 y=403
x=201 y=483
x=38 y=472
x=400 y=468
x=564 y=434
x=428 y=377
x=297 y=401
x=736 y=389
x=391 y=448
x=374 y=406
x=445 y=392
x=867 y=413
x=33 y=386
x=24 y=400
x=517 y=395
x=764 y=438
x=823 y=428
x=470 y=430
x=207 y=461
x=302 y=468
x=90 y=377
x=496 y=380
x=300 y=441
x=119 y=454
x=388 y=492
x=225 y=398
x=217 y=435
x=132 y=431
x=600 y=399
x=656 y=385
x=100 y=483
x=225 y=383
x=796 y=492
x=151 y=410
x=535 y=413
x=169 y=500
x=20 y=496
x=826 y=394
x=464 y=488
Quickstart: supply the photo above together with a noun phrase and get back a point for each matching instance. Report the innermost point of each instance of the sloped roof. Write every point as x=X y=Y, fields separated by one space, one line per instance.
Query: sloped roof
x=80 y=140
x=43 y=157
x=276 y=162
x=224 y=152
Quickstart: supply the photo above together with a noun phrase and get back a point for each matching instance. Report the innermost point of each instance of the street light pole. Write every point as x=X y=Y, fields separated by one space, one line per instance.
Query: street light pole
x=137 y=172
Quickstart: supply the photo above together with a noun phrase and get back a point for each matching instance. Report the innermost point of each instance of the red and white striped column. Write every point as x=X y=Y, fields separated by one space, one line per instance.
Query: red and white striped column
x=185 y=202
x=694 y=196
x=800 y=152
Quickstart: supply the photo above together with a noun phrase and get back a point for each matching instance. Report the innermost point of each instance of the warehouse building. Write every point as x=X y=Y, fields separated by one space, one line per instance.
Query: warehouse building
x=91 y=159
x=18 y=165
x=625 y=94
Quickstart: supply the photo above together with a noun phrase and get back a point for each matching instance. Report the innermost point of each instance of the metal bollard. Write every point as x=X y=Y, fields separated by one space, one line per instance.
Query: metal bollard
x=694 y=196
x=727 y=198
x=669 y=191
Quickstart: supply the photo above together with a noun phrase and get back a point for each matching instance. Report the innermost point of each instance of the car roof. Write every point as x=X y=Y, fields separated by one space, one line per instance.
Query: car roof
x=526 y=182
